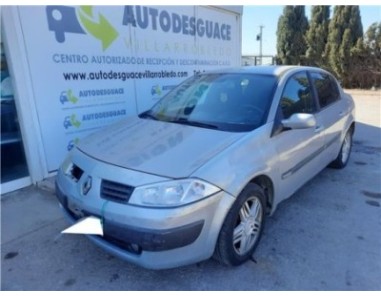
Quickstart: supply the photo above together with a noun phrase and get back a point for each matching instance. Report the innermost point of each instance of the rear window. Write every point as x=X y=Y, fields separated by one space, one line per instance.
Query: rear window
x=326 y=88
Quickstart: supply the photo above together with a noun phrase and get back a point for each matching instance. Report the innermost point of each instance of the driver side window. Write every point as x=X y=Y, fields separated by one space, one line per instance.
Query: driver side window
x=297 y=96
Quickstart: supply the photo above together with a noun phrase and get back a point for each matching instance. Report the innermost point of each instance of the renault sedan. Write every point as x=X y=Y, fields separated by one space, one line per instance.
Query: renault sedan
x=197 y=174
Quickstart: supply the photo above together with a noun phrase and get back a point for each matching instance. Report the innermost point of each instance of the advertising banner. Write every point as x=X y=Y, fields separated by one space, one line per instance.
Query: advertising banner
x=93 y=65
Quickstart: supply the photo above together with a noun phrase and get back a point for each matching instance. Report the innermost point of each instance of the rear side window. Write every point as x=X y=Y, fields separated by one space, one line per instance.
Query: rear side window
x=297 y=96
x=326 y=89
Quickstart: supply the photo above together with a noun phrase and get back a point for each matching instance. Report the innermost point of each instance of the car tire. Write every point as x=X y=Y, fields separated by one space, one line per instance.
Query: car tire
x=242 y=228
x=345 y=151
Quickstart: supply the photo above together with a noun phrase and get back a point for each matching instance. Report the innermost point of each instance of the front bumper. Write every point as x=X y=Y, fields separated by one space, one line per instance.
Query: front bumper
x=154 y=238
x=138 y=239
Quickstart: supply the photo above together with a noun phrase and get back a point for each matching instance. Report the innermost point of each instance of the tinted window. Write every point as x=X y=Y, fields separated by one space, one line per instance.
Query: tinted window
x=326 y=88
x=297 y=96
x=231 y=102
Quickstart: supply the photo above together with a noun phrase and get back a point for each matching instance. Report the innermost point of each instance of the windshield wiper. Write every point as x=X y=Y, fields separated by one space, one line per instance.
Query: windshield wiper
x=181 y=120
x=147 y=114
x=186 y=121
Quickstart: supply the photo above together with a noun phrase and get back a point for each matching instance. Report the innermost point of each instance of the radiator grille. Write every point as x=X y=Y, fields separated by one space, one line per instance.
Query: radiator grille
x=115 y=191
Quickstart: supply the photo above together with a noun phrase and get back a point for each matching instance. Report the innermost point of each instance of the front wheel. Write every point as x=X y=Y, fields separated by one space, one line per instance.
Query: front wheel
x=242 y=229
x=345 y=151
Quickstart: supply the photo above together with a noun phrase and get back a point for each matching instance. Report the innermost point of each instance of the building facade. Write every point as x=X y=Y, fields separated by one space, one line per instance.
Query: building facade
x=67 y=71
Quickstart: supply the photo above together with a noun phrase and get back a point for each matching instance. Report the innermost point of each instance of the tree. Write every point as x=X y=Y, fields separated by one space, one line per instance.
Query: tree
x=372 y=60
x=345 y=29
x=359 y=67
x=317 y=36
x=291 y=43
x=373 y=43
x=373 y=37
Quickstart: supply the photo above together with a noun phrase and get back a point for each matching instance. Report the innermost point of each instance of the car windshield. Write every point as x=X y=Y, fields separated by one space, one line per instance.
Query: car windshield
x=228 y=102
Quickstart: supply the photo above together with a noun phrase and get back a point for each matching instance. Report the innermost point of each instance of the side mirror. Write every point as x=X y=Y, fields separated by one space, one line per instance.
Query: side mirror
x=300 y=121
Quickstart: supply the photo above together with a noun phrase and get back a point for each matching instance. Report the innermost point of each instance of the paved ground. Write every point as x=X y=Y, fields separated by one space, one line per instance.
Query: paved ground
x=325 y=237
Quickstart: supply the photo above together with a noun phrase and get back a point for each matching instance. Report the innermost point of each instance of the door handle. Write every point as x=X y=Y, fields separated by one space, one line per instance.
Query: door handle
x=342 y=113
x=319 y=128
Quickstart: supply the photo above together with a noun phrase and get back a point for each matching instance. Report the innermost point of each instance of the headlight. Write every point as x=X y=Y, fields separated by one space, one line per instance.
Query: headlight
x=172 y=193
x=66 y=165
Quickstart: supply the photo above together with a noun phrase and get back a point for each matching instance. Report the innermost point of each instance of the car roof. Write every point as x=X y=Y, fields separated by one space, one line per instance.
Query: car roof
x=265 y=70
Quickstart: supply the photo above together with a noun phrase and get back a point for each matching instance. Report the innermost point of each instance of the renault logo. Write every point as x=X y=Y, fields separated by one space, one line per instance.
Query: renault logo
x=86 y=186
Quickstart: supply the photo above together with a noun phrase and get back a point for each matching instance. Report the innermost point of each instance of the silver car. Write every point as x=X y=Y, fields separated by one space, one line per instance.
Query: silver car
x=197 y=174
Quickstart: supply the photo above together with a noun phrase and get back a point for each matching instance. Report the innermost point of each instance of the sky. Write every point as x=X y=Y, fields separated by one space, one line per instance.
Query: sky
x=254 y=16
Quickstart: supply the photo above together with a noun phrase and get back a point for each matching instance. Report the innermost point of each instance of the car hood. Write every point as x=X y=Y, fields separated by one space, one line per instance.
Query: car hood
x=161 y=148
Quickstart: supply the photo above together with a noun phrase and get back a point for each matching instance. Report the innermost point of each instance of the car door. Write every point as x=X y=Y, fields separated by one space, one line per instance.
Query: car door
x=298 y=149
x=332 y=113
